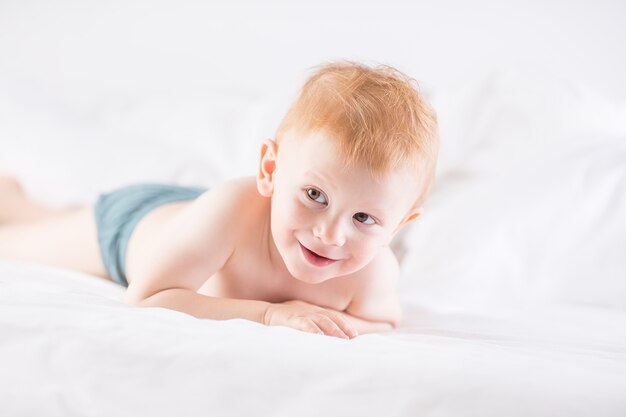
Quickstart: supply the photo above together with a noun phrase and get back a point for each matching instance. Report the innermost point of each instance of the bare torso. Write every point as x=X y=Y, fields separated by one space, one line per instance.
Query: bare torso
x=249 y=273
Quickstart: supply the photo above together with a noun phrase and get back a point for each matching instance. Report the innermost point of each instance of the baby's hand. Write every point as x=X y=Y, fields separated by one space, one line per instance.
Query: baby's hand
x=309 y=318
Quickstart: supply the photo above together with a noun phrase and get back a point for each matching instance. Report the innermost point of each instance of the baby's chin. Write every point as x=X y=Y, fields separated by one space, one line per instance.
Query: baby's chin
x=311 y=278
x=316 y=277
x=311 y=275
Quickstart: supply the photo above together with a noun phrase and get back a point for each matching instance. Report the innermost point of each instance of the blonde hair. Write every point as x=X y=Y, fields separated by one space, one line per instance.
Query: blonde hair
x=377 y=116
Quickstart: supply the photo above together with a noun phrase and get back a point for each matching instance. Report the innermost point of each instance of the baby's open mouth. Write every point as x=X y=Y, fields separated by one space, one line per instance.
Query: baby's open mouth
x=314 y=258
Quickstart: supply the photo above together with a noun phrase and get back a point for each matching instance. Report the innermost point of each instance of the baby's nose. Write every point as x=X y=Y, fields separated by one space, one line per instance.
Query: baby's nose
x=331 y=233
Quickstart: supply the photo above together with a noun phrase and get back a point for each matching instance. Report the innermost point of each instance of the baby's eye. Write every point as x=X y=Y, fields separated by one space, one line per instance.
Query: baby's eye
x=364 y=218
x=316 y=195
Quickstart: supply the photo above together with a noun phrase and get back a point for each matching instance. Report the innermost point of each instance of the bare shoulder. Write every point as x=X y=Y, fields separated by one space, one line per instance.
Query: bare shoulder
x=375 y=294
x=229 y=197
x=183 y=244
x=235 y=188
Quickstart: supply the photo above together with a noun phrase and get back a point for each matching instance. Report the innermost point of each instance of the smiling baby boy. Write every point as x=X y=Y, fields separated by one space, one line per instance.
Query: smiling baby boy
x=305 y=244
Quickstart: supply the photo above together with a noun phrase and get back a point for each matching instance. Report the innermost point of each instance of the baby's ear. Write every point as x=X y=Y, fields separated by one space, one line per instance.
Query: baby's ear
x=413 y=214
x=267 y=166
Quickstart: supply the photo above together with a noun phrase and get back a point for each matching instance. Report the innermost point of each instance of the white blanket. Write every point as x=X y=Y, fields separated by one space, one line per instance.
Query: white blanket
x=69 y=346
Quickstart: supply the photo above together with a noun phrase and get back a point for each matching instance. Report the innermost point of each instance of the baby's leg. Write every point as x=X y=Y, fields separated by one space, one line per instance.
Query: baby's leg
x=61 y=237
x=15 y=206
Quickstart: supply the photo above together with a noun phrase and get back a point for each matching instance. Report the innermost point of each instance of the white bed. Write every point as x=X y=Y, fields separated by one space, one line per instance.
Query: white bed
x=513 y=281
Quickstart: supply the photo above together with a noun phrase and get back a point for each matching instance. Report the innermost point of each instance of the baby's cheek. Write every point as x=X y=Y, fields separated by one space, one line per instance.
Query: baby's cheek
x=365 y=250
x=285 y=211
x=298 y=216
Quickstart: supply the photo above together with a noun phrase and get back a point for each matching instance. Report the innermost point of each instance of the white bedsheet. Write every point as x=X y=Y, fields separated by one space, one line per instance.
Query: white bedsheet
x=69 y=346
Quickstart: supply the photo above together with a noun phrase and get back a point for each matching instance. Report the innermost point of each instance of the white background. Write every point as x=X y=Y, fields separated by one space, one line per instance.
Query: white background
x=108 y=47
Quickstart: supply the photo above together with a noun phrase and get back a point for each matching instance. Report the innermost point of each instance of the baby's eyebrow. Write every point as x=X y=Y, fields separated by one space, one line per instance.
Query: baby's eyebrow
x=315 y=176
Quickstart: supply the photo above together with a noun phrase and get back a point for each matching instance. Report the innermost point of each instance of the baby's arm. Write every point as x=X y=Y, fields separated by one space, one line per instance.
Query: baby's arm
x=375 y=306
x=295 y=314
x=173 y=264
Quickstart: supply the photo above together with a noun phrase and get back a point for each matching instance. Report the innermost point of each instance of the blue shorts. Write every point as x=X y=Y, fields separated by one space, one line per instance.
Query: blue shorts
x=118 y=212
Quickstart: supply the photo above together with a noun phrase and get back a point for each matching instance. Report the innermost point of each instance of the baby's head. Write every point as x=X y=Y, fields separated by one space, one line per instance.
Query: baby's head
x=375 y=116
x=353 y=161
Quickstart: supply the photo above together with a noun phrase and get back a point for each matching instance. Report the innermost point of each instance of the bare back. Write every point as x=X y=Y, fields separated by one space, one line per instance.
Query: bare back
x=252 y=269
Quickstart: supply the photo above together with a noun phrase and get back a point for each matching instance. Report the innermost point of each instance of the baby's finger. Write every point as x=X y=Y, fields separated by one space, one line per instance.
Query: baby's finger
x=329 y=327
x=341 y=321
x=307 y=325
